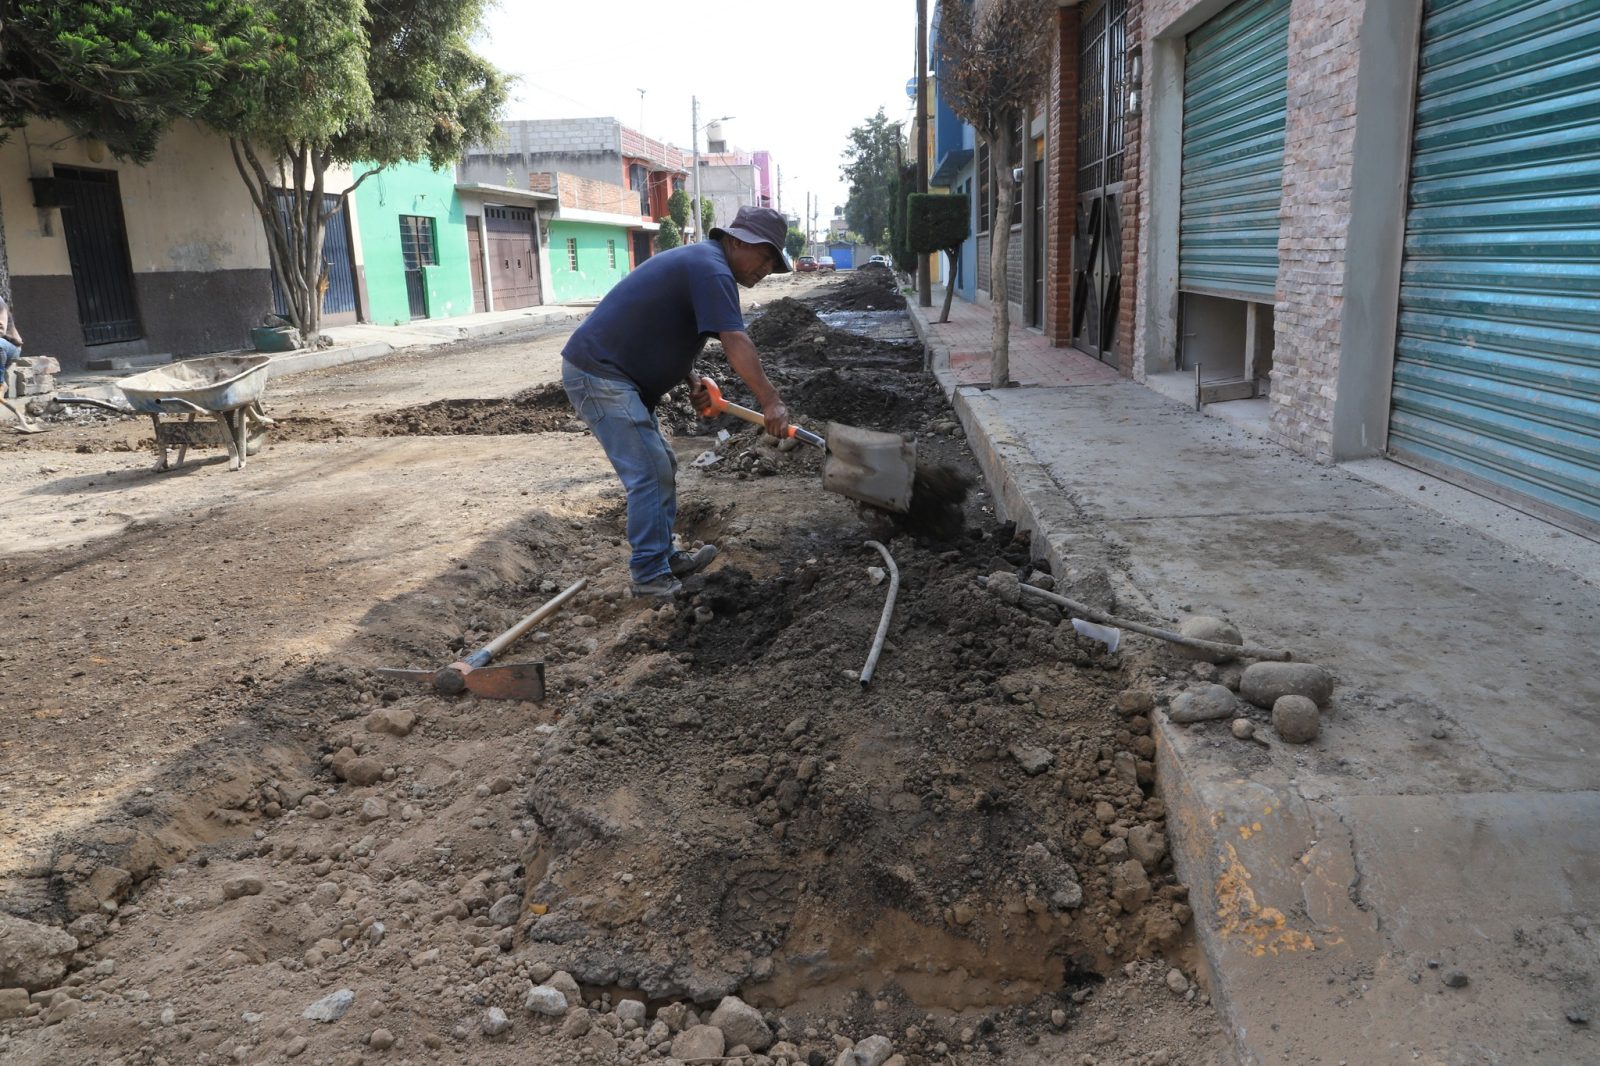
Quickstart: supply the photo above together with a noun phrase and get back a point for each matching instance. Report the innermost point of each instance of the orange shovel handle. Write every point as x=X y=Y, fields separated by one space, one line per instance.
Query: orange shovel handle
x=717 y=404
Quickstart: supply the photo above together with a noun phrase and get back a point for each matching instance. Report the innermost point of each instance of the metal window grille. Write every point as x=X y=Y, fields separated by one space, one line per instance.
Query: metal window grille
x=611 y=252
x=417 y=244
x=572 y=253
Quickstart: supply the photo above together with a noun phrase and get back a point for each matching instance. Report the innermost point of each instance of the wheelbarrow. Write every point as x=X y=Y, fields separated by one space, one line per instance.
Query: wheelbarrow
x=228 y=388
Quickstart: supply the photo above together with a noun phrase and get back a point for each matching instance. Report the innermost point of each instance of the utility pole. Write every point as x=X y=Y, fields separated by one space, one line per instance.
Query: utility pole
x=695 y=215
x=924 y=263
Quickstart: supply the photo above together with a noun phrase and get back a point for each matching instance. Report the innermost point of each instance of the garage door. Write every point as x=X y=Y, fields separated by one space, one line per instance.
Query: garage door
x=513 y=257
x=1234 y=104
x=1497 y=363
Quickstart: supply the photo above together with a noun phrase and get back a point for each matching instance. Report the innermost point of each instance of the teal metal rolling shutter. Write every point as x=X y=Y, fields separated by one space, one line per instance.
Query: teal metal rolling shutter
x=1234 y=105
x=1497 y=362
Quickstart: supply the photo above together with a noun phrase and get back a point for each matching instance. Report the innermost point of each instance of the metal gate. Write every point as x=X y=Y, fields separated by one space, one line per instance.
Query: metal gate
x=1097 y=239
x=1497 y=361
x=1234 y=109
x=417 y=249
x=513 y=257
x=338 y=255
x=97 y=246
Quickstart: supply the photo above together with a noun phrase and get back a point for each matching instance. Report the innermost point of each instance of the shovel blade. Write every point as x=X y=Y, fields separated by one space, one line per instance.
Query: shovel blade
x=510 y=681
x=872 y=467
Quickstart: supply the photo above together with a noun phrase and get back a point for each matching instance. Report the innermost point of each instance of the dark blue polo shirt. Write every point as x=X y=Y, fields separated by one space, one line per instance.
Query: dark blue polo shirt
x=648 y=329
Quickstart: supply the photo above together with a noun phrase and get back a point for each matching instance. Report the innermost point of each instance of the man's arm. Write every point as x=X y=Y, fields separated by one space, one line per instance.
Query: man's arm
x=741 y=353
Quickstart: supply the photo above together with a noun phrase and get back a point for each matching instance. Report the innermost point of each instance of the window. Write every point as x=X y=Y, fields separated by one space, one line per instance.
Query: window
x=985 y=204
x=417 y=245
x=1016 y=164
x=611 y=253
x=572 y=252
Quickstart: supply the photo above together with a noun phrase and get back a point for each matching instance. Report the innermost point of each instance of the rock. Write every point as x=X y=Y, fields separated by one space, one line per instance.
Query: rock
x=1148 y=844
x=295 y=1047
x=1135 y=701
x=1263 y=683
x=1129 y=885
x=495 y=1022
x=331 y=1007
x=13 y=1003
x=1034 y=761
x=603 y=1043
x=876 y=574
x=576 y=1023
x=1204 y=703
x=88 y=928
x=1176 y=982
x=1205 y=627
x=380 y=1040
x=674 y=1016
x=506 y=910
x=61 y=1010
x=395 y=721
x=318 y=809
x=1296 y=719
x=1058 y=1018
x=374 y=808
x=359 y=771
x=632 y=1010
x=108 y=884
x=543 y=999
x=33 y=956
x=541 y=972
x=234 y=887
x=1455 y=979
x=741 y=1024
x=699 y=1042
x=873 y=1051
x=1243 y=729
x=563 y=982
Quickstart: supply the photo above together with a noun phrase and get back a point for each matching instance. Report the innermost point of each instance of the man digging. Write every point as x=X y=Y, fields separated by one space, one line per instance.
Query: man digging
x=639 y=343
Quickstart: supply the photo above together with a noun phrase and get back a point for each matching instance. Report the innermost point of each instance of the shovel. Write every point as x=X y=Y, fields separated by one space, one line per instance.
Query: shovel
x=513 y=681
x=877 y=469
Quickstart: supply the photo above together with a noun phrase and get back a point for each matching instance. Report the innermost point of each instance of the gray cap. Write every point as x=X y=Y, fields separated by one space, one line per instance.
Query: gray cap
x=758 y=225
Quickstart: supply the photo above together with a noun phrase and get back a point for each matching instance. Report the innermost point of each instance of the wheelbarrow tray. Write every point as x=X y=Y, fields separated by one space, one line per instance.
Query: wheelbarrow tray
x=217 y=384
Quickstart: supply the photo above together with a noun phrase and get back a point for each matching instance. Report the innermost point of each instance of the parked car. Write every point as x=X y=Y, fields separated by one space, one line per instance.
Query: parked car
x=878 y=260
x=805 y=264
x=825 y=263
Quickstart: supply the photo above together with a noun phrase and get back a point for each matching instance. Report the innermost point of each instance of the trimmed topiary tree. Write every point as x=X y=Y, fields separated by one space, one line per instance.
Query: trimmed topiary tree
x=669 y=235
x=938 y=224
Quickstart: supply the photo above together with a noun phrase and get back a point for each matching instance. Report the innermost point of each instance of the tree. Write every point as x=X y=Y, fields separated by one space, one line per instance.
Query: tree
x=899 y=246
x=361 y=85
x=669 y=235
x=874 y=154
x=708 y=218
x=995 y=62
x=678 y=207
x=794 y=242
x=939 y=224
x=123 y=73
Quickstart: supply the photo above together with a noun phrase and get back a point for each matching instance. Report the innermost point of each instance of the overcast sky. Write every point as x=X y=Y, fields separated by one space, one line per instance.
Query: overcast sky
x=797 y=75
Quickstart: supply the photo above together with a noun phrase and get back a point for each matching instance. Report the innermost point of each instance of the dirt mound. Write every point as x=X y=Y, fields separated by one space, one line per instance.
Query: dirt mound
x=869 y=288
x=541 y=410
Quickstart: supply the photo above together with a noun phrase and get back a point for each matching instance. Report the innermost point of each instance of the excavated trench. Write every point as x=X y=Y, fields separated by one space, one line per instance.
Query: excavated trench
x=726 y=809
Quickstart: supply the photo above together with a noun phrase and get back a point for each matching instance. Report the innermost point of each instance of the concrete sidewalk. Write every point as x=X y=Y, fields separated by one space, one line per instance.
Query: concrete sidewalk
x=365 y=340
x=1447 y=821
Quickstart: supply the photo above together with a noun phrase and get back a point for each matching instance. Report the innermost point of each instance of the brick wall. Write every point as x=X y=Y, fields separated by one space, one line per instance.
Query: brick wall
x=1127 y=311
x=586 y=194
x=1061 y=176
x=1318 y=159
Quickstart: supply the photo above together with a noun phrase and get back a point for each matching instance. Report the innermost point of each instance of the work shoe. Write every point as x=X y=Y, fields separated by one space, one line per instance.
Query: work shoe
x=685 y=563
x=662 y=588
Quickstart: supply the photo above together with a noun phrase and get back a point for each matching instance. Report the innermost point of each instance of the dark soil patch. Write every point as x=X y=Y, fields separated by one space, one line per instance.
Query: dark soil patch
x=868 y=288
x=541 y=410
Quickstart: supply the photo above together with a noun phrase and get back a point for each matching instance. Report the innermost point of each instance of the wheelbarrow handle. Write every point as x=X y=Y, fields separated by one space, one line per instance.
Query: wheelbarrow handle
x=716 y=404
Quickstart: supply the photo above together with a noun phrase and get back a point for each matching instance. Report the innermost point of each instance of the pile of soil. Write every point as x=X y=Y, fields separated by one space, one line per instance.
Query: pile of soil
x=869 y=288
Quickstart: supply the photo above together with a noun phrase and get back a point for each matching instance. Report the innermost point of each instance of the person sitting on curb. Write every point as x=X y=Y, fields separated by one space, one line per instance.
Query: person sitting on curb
x=638 y=343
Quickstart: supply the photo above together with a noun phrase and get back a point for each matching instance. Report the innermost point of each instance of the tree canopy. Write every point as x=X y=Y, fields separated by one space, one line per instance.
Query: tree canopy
x=872 y=161
x=122 y=72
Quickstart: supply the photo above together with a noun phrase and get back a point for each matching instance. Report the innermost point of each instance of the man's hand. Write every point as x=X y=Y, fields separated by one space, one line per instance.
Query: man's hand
x=777 y=418
x=699 y=395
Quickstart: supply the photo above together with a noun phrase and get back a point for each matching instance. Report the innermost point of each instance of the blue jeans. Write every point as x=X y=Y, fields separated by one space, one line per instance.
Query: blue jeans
x=8 y=355
x=632 y=440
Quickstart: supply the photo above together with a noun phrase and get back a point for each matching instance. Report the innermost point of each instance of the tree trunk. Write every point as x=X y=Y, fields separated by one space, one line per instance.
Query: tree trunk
x=949 y=283
x=5 y=261
x=295 y=226
x=1000 y=243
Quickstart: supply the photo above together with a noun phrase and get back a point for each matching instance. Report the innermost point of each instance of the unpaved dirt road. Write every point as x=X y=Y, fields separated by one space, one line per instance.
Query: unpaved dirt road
x=202 y=781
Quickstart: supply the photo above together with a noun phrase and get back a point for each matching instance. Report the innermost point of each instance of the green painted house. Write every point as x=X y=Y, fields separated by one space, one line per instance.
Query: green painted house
x=586 y=258
x=414 y=240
